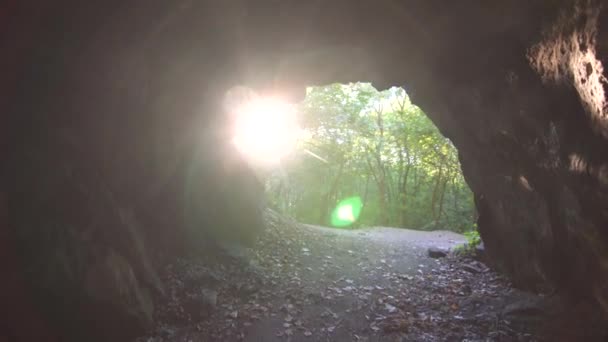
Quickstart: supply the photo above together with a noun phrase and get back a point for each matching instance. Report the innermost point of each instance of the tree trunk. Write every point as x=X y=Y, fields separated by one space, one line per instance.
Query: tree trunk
x=455 y=192
x=326 y=203
x=380 y=183
x=382 y=198
x=435 y=195
x=404 y=198
x=442 y=196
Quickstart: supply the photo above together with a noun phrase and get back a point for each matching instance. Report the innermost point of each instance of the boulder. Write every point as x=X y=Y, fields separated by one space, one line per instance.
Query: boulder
x=434 y=252
x=83 y=255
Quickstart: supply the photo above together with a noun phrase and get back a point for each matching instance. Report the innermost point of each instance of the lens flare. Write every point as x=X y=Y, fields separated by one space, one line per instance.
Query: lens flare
x=265 y=130
x=346 y=212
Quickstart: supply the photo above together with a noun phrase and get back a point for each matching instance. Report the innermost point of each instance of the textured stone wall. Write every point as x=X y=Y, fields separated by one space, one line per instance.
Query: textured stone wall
x=115 y=109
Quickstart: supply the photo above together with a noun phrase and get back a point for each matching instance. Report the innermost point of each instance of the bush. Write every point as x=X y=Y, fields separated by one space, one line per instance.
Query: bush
x=473 y=240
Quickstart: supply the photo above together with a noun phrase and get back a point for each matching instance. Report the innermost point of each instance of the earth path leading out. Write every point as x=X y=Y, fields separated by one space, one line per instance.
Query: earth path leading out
x=311 y=283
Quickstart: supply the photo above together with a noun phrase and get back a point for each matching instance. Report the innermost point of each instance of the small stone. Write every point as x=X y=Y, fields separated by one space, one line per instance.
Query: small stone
x=471 y=268
x=209 y=297
x=390 y=308
x=434 y=252
x=480 y=252
x=167 y=332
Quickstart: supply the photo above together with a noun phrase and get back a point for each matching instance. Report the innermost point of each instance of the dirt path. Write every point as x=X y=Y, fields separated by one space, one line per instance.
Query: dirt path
x=310 y=283
x=340 y=274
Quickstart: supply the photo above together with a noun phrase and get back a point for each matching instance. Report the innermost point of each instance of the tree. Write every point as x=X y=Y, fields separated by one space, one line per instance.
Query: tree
x=379 y=146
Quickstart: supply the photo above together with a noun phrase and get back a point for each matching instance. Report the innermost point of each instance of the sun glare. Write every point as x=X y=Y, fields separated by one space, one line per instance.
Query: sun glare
x=265 y=130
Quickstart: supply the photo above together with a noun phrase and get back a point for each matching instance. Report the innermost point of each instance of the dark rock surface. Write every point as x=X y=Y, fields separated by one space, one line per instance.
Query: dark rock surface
x=480 y=252
x=115 y=117
x=435 y=252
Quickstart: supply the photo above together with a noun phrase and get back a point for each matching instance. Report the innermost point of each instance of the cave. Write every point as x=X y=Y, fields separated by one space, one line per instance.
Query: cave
x=113 y=111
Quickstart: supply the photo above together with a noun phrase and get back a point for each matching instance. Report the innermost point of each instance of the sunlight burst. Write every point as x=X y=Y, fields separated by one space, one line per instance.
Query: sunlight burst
x=265 y=130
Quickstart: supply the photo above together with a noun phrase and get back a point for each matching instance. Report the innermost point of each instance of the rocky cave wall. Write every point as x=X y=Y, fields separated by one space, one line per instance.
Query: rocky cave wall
x=118 y=150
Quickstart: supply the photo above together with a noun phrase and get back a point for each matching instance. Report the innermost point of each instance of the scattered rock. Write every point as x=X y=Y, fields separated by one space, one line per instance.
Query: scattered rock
x=524 y=307
x=471 y=268
x=480 y=252
x=452 y=298
x=166 y=332
x=390 y=308
x=435 y=252
x=209 y=297
x=475 y=267
x=397 y=324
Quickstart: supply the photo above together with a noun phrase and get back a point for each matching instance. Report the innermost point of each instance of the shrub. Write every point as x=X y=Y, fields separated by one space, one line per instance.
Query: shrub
x=473 y=240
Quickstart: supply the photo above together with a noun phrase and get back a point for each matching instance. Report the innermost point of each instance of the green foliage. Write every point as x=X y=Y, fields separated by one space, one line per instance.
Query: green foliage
x=473 y=240
x=378 y=146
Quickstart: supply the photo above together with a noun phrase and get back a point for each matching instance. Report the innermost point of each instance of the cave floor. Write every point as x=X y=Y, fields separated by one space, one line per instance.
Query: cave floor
x=309 y=283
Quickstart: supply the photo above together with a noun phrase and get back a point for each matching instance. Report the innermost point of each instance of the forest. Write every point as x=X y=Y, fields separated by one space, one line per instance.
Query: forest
x=376 y=153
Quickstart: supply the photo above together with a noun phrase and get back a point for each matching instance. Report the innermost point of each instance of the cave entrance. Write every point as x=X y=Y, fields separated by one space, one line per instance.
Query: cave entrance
x=370 y=158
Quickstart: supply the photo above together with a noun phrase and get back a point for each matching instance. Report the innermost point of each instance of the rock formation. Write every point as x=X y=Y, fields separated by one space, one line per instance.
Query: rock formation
x=111 y=105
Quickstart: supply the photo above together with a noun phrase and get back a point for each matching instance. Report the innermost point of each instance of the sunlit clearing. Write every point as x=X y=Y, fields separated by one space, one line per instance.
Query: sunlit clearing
x=346 y=212
x=265 y=130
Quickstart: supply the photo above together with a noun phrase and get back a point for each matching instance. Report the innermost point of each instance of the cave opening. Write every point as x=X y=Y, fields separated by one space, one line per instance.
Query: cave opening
x=349 y=155
x=119 y=171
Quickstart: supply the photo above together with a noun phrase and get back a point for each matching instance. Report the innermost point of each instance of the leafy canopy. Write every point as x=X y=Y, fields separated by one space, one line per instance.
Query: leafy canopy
x=376 y=146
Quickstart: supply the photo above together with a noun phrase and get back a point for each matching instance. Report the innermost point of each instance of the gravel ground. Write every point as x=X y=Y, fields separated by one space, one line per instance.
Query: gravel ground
x=310 y=283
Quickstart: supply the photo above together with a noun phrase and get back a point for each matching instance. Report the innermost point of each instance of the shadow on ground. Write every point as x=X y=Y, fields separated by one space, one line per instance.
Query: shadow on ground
x=311 y=283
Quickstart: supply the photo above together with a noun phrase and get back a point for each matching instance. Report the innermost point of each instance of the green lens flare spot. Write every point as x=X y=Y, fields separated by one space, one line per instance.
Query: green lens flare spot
x=346 y=212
